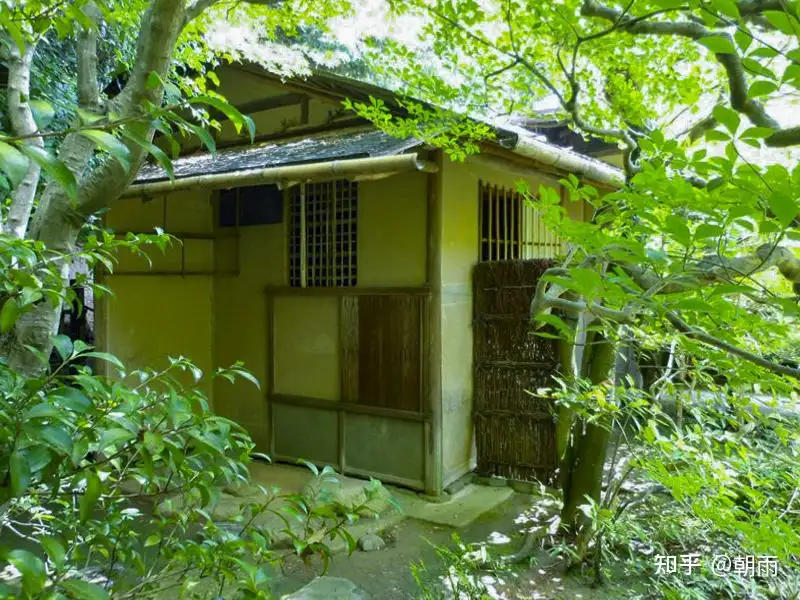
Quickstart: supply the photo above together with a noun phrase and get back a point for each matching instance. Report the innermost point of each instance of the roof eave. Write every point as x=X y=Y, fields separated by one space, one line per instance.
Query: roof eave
x=286 y=176
x=564 y=160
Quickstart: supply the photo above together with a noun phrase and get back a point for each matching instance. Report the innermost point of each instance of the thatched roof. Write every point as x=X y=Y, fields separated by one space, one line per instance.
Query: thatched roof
x=362 y=143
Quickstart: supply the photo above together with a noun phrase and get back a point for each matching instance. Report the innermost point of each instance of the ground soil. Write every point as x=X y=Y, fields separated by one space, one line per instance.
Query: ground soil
x=386 y=575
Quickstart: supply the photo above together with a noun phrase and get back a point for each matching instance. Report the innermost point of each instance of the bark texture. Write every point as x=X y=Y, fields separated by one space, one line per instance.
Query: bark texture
x=582 y=465
x=22 y=124
x=58 y=220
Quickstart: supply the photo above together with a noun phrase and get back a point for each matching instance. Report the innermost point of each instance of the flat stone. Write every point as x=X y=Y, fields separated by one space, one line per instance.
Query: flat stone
x=328 y=588
x=349 y=492
x=460 y=509
x=225 y=509
x=371 y=542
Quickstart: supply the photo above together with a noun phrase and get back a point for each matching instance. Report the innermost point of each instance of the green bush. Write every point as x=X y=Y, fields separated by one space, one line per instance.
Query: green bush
x=109 y=483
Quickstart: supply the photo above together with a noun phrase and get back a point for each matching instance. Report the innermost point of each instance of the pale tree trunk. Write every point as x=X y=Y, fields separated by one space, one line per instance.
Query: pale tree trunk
x=22 y=124
x=581 y=467
x=57 y=220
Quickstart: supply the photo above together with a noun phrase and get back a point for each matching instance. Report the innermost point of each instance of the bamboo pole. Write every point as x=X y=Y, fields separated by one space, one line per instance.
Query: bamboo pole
x=288 y=175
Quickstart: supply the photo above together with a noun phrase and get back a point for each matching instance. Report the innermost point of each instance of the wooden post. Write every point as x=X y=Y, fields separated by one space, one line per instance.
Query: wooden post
x=270 y=330
x=433 y=346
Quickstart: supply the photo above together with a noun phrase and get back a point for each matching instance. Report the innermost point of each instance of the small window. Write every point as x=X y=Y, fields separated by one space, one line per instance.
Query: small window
x=323 y=235
x=511 y=229
x=251 y=205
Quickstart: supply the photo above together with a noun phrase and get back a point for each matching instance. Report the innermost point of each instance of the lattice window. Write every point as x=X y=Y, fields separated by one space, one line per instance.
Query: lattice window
x=323 y=240
x=511 y=229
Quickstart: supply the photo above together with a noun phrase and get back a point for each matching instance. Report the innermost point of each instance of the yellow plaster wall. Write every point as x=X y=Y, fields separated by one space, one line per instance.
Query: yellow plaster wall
x=240 y=320
x=152 y=317
x=459 y=247
x=392 y=231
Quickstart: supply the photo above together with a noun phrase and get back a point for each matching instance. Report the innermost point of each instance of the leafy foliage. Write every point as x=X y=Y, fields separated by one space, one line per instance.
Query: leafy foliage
x=110 y=483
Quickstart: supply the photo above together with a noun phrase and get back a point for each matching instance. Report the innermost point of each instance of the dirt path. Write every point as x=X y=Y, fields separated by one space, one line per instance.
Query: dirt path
x=386 y=575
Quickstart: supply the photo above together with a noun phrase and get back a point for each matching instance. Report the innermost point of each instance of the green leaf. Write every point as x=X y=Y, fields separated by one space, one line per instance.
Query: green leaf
x=32 y=570
x=757 y=132
x=106 y=357
x=153 y=80
x=20 y=472
x=743 y=39
x=783 y=207
x=694 y=304
x=715 y=135
x=38 y=458
x=676 y=226
x=43 y=112
x=15 y=33
x=762 y=87
x=157 y=152
x=763 y=52
x=152 y=540
x=54 y=549
x=111 y=144
x=53 y=167
x=63 y=346
x=57 y=438
x=205 y=137
x=707 y=230
x=782 y=21
x=757 y=68
x=114 y=436
x=42 y=411
x=245 y=374
x=88 y=118
x=231 y=112
x=728 y=117
x=726 y=7
x=83 y=590
x=73 y=399
x=588 y=281
x=718 y=44
x=13 y=163
x=153 y=442
x=566 y=332
x=9 y=314
x=90 y=496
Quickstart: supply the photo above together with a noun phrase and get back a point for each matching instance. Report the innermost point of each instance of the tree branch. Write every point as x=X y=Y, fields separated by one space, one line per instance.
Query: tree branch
x=708 y=339
x=716 y=269
x=88 y=87
x=22 y=124
x=752 y=9
x=732 y=63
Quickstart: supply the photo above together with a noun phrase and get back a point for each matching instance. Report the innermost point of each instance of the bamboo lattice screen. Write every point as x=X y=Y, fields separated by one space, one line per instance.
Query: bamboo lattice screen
x=510 y=229
x=323 y=240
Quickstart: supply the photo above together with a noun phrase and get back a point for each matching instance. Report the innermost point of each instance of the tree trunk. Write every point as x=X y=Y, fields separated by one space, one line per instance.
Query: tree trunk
x=22 y=124
x=582 y=465
x=58 y=220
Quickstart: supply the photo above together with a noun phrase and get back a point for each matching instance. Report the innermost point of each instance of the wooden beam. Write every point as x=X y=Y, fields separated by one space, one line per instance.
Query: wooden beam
x=348 y=340
x=262 y=104
x=432 y=343
x=291 y=132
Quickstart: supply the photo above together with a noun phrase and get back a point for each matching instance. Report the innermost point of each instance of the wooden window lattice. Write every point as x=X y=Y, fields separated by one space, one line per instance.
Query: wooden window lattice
x=323 y=240
x=510 y=229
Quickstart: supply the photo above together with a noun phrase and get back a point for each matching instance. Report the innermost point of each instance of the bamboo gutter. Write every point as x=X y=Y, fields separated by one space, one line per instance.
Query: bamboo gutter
x=354 y=169
x=568 y=161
